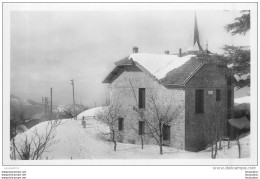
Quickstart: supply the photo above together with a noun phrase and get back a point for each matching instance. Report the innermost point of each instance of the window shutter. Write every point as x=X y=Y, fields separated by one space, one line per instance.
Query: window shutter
x=218 y=95
x=166 y=132
x=141 y=97
x=120 y=124
x=199 y=101
x=141 y=128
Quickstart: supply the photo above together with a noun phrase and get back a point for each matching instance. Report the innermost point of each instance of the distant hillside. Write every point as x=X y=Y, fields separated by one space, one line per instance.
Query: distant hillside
x=26 y=102
x=33 y=102
x=25 y=112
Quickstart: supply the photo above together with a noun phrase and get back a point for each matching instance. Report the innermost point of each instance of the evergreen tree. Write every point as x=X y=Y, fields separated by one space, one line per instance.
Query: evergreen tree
x=238 y=57
x=241 y=25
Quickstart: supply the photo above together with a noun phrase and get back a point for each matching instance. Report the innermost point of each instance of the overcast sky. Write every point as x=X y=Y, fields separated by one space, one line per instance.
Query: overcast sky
x=48 y=49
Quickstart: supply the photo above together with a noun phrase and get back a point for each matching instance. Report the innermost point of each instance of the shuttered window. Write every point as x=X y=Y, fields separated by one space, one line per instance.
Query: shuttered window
x=199 y=101
x=166 y=132
x=141 y=128
x=142 y=98
x=218 y=95
x=120 y=124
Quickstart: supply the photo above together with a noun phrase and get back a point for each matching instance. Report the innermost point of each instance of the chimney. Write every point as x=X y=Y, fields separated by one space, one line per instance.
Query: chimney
x=135 y=49
x=180 y=52
x=167 y=52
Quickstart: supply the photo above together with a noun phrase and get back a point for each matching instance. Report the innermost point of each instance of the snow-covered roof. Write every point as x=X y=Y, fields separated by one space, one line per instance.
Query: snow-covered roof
x=242 y=76
x=157 y=65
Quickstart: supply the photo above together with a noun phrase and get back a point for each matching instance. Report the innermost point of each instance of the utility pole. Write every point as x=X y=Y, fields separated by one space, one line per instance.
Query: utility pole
x=51 y=103
x=72 y=83
x=45 y=102
x=46 y=107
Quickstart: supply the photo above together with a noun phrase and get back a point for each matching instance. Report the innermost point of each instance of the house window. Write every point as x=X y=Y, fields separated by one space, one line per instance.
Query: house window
x=199 y=101
x=120 y=124
x=141 y=128
x=218 y=95
x=166 y=132
x=142 y=98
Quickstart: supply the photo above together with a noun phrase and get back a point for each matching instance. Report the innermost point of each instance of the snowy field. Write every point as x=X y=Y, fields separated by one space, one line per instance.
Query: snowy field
x=76 y=142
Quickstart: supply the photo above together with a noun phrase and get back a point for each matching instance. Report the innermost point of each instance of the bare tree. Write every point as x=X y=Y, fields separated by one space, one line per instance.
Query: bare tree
x=238 y=126
x=68 y=111
x=159 y=114
x=238 y=144
x=16 y=119
x=36 y=143
x=142 y=118
x=214 y=127
x=110 y=116
x=139 y=130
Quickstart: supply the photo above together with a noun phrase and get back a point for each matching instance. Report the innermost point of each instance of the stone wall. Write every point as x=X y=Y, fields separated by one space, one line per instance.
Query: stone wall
x=122 y=92
x=198 y=127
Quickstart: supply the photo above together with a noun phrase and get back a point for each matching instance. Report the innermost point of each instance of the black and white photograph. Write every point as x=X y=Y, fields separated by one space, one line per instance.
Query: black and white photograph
x=129 y=84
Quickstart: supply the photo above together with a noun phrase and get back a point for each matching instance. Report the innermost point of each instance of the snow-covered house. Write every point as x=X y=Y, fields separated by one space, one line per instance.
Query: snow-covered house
x=201 y=88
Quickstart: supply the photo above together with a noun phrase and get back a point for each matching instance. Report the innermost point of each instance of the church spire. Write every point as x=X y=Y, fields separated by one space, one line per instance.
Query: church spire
x=196 y=34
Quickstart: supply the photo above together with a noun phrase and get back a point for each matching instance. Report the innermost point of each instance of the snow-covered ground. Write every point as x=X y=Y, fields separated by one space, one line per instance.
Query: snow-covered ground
x=76 y=142
x=242 y=95
x=245 y=99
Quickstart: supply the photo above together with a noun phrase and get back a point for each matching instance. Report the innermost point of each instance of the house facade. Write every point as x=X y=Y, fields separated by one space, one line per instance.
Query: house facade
x=203 y=90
